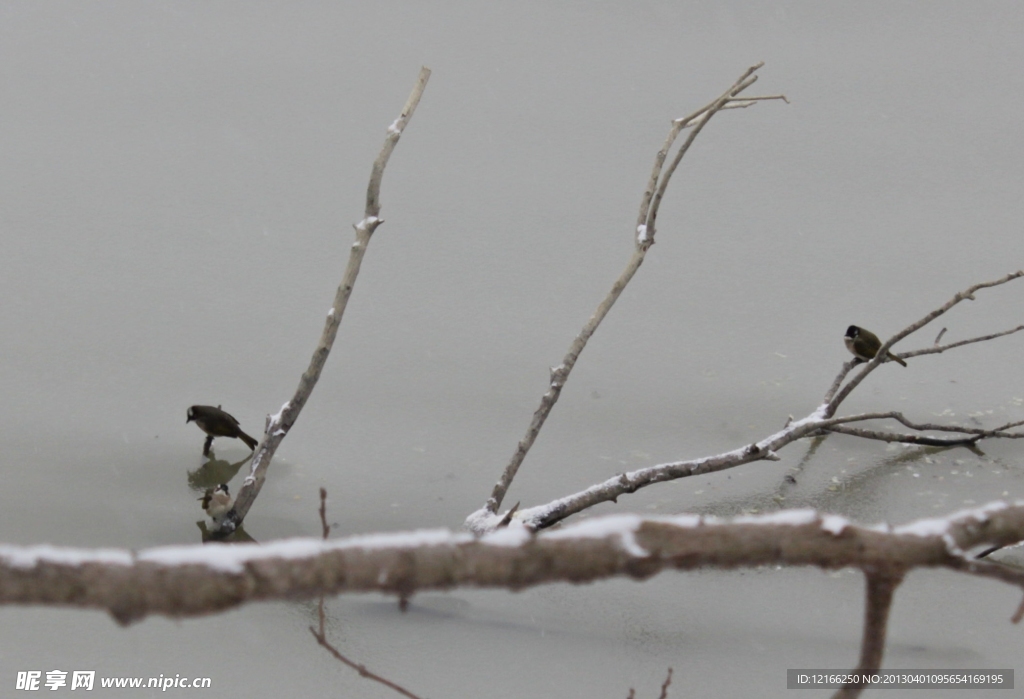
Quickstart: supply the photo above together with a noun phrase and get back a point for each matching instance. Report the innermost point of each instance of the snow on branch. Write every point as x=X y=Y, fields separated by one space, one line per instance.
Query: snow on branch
x=183 y=581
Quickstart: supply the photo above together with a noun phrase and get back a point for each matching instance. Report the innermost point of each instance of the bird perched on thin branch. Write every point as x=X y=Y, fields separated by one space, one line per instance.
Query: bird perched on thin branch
x=217 y=423
x=217 y=501
x=864 y=345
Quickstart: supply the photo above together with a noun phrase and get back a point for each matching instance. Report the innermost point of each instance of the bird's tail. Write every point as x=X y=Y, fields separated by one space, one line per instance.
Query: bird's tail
x=251 y=443
x=896 y=359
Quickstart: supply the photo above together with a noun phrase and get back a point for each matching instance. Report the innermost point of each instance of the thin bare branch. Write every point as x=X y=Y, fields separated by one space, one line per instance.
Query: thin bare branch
x=838 y=381
x=645 y=230
x=746 y=80
x=323 y=513
x=279 y=424
x=967 y=294
x=939 y=349
x=359 y=667
x=837 y=425
x=981 y=432
x=881 y=585
x=321 y=634
x=665 y=684
x=905 y=438
x=762 y=97
x=394 y=133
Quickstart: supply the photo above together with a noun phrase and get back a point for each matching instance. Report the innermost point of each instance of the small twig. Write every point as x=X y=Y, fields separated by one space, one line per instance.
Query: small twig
x=359 y=667
x=939 y=336
x=904 y=438
x=837 y=425
x=508 y=516
x=755 y=99
x=323 y=514
x=837 y=382
x=278 y=425
x=939 y=349
x=789 y=480
x=880 y=588
x=664 y=686
x=321 y=634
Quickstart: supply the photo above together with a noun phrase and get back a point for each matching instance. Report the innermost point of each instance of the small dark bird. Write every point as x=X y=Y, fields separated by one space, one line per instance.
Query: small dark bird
x=217 y=423
x=864 y=344
x=217 y=501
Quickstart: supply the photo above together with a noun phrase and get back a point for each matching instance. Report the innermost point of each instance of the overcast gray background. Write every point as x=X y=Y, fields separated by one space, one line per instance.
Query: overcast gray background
x=177 y=186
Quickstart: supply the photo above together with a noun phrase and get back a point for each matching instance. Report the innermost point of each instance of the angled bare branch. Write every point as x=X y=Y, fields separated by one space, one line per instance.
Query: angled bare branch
x=939 y=349
x=644 y=239
x=967 y=294
x=279 y=424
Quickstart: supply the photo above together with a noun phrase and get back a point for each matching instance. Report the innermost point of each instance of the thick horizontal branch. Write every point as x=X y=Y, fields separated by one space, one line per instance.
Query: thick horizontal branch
x=194 y=580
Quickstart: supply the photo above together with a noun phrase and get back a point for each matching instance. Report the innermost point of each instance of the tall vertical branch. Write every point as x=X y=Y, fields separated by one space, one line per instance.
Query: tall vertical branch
x=644 y=239
x=279 y=424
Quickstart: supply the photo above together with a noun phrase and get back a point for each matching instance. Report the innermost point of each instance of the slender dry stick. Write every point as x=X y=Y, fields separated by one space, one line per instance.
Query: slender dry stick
x=359 y=667
x=665 y=684
x=837 y=425
x=278 y=425
x=321 y=634
x=644 y=239
x=664 y=688
x=939 y=349
x=906 y=438
x=323 y=513
x=881 y=585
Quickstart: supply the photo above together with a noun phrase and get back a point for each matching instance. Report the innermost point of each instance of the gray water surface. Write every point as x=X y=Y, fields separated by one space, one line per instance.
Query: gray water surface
x=177 y=186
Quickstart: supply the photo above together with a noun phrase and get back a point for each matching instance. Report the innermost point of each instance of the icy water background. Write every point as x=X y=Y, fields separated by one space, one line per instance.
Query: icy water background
x=177 y=187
